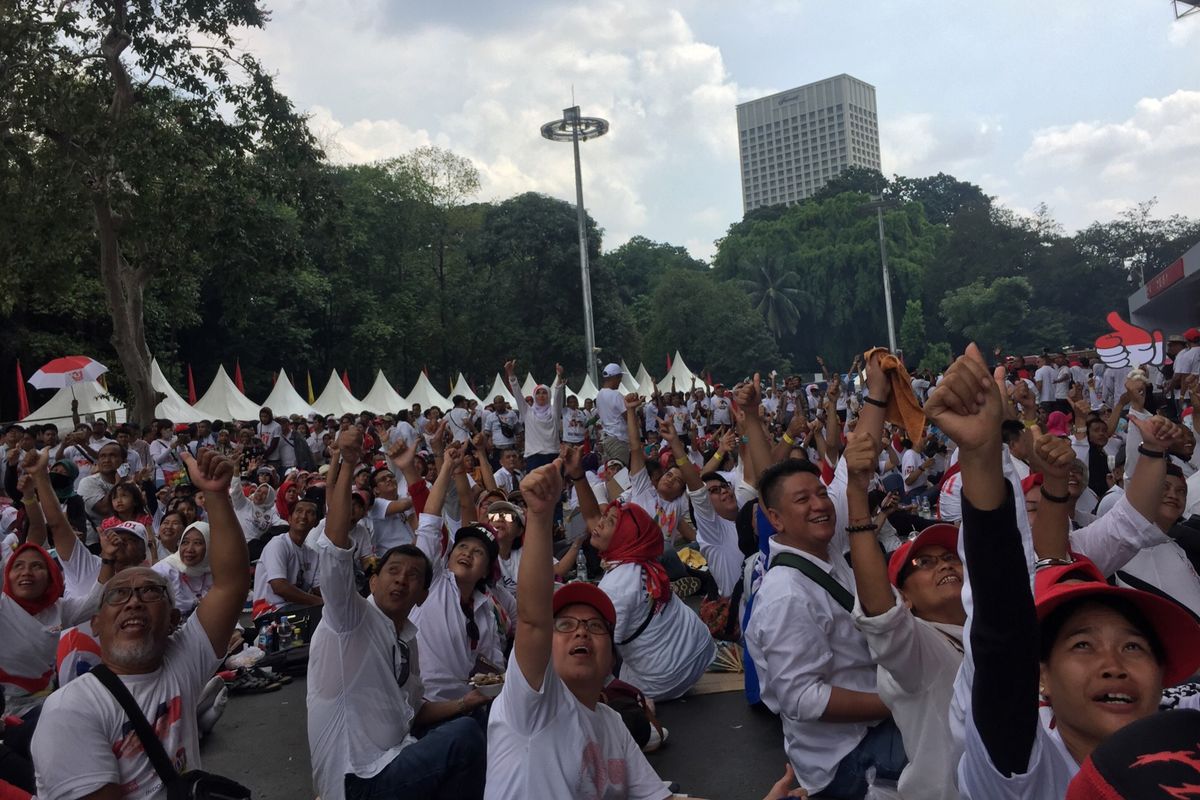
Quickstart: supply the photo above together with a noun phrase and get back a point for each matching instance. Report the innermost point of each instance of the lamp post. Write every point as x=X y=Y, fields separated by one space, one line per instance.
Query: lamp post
x=574 y=128
x=878 y=204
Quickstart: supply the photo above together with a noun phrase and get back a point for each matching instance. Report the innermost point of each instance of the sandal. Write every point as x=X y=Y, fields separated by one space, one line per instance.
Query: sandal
x=245 y=683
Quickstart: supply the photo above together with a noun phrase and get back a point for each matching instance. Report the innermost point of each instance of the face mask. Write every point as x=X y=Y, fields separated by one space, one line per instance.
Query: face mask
x=63 y=485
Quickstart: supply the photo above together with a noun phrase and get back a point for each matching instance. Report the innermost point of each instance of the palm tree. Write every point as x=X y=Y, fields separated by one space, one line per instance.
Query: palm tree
x=776 y=293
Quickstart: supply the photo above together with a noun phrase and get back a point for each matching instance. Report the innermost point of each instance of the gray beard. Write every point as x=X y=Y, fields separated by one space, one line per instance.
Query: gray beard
x=145 y=652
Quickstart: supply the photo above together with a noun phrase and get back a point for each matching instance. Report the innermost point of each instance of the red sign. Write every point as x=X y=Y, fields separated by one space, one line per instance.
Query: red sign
x=1160 y=282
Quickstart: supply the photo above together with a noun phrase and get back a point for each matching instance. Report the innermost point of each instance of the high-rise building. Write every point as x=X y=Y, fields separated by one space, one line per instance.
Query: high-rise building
x=793 y=142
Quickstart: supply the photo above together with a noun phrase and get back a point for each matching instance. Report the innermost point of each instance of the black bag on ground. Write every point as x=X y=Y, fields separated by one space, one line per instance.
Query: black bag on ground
x=194 y=784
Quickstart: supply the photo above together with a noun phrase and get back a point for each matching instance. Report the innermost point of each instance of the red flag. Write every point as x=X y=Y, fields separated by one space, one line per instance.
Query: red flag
x=346 y=379
x=191 y=387
x=668 y=362
x=274 y=377
x=22 y=398
x=237 y=377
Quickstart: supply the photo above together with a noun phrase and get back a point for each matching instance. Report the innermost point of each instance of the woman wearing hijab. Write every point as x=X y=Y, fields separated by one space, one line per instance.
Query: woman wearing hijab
x=255 y=509
x=64 y=475
x=663 y=644
x=286 y=498
x=542 y=419
x=187 y=569
x=32 y=613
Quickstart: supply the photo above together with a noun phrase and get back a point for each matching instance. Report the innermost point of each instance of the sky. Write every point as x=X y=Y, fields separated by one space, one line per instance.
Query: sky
x=1089 y=107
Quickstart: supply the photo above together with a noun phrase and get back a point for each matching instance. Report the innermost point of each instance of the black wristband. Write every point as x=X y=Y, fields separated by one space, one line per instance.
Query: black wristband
x=871 y=400
x=1151 y=453
x=1055 y=498
x=576 y=478
x=870 y=526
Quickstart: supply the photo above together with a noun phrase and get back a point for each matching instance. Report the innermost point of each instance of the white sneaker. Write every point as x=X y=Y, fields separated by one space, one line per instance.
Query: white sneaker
x=656 y=741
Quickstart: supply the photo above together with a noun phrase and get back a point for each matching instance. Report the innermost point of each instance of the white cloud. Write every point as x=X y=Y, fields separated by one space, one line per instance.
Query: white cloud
x=918 y=144
x=1092 y=170
x=485 y=94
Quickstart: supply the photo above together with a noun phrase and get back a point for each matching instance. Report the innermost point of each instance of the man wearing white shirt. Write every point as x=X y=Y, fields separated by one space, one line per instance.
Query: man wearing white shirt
x=719 y=405
x=610 y=405
x=1044 y=378
x=365 y=692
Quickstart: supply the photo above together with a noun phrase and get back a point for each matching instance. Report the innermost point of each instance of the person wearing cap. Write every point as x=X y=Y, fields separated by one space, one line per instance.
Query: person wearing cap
x=1187 y=363
x=366 y=693
x=83 y=746
x=457 y=625
x=1098 y=655
x=1154 y=758
x=910 y=610
x=549 y=733
x=286 y=576
x=188 y=570
x=610 y=407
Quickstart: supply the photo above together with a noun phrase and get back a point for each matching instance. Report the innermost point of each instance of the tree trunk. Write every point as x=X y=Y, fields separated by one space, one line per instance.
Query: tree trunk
x=123 y=288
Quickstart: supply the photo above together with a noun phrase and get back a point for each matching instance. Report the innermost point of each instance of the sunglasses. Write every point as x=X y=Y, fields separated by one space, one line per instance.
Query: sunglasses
x=502 y=516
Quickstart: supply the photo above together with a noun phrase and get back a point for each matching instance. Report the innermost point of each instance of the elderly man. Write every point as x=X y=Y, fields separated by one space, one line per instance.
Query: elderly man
x=84 y=745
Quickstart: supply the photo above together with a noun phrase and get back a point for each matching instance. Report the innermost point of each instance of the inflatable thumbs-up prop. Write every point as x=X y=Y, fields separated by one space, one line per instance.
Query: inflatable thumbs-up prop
x=1129 y=345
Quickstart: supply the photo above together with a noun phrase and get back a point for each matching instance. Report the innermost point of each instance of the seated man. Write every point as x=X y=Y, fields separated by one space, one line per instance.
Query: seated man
x=365 y=692
x=549 y=735
x=286 y=575
x=84 y=745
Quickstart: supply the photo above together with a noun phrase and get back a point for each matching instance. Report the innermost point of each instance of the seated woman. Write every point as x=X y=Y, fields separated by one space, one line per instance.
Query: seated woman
x=664 y=646
x=187 y=569
x=1098 y=655
x=170 y=529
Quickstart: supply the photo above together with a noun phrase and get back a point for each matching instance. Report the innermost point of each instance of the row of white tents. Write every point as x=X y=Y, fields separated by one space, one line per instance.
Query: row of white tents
x=224 y=401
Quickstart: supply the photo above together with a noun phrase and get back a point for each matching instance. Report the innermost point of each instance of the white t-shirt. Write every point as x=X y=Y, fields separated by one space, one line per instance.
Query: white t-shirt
x=359 y=716
x=574 y=425
x=493 y=423
x=1188 y=362
x=1062 y=386
x=666 y=513
x=458 y=422
x=83 y=740
x=547 y=744
x=404 y=432
x=390 y=531
x=283 y=558
x=610 y=406
x=1045 y=375
x=718 y=405
x=189 y=590
x=268 y=432
x=674 y=650
x=910 y=462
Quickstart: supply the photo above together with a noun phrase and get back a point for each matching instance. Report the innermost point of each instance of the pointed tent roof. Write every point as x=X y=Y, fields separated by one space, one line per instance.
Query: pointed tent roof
x=462 y=387
x=646 y=386
x=682 y=375
x=383 y=399
x=588 y=391
x=223 y=401
x=173 y=406
x=628 y=381
x=643 y=376
x=529 y=385
x=499 y=388
x=284 y=400
x=336 y=399
x=93 y=402
x=424 y=393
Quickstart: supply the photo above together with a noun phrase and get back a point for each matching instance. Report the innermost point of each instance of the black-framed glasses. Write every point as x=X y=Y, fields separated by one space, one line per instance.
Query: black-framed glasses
x=401 y=668
x=929 y=561
x=149 y=593
x=597 y=627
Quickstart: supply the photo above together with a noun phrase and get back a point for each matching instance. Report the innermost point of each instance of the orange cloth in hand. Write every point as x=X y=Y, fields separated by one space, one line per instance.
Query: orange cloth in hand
x=902 y=408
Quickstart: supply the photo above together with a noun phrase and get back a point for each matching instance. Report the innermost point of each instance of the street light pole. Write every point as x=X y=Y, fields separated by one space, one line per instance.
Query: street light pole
x=575 y=128
x=887 y=283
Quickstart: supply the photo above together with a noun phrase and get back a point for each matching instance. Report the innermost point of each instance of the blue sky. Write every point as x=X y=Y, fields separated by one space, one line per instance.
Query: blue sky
x=1089 y=107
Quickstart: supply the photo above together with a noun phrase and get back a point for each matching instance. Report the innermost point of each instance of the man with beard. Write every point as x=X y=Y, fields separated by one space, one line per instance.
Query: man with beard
x=84 y=745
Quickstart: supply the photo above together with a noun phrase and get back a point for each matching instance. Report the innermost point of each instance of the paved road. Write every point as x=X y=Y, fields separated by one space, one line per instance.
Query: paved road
x=718 y=747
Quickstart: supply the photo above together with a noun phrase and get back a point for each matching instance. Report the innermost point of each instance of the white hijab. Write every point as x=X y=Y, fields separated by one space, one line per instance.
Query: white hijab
x=175 y=562
x=542 y=413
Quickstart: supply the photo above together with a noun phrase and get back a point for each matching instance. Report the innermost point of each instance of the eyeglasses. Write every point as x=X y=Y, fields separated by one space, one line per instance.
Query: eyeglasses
x=149 y=593
x=596 y=627
x=501 y=516
x=929 y=562
x=401 y=668
x=717 y=488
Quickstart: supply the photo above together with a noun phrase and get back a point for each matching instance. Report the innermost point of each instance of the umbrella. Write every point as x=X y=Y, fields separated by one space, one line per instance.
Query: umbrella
x=67 y=371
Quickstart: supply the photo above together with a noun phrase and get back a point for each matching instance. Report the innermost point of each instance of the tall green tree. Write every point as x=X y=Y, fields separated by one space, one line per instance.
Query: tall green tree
x=776 y=293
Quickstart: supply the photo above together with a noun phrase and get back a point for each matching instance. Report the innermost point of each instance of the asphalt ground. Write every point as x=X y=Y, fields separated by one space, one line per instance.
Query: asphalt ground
x=718 y=747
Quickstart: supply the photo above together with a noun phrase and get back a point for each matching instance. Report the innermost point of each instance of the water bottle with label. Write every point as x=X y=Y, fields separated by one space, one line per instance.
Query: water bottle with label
x=581 y=571
x=285 y=635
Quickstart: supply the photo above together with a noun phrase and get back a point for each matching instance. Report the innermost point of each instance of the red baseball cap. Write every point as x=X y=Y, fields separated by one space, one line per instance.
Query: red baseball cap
x=942 y=533
x=1192 y=335
x=1058 y=424
x=589 y=595
x=1176 y=629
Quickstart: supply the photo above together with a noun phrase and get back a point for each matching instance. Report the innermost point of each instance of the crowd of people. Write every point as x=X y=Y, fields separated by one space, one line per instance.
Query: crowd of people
x=976 y=583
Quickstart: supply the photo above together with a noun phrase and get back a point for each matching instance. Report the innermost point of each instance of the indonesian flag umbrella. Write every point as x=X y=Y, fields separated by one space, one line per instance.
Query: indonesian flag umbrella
x=67 y=371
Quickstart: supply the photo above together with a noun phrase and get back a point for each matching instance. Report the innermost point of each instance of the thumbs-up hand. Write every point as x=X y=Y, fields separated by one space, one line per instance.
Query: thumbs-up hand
x=1129 y=345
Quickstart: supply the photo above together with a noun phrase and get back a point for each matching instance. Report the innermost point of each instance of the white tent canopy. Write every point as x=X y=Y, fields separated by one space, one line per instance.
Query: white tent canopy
x=336 y=398
x=499 y=388
x=383 y=399
x=643 y=379
x=628 y=381
x=462 y=387
x=682 y=375
x=588 y=391
x=424 y=393
x=284 y=400
x=173 y=406
x=223 y=401
x=93 y=402
x=529 y=385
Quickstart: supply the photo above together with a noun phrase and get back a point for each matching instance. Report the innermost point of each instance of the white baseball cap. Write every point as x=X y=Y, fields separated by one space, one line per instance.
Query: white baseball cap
x=132 y=528
x=612 y=370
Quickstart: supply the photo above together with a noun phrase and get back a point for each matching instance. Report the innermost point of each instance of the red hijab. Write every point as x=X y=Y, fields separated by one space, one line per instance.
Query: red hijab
x=281 y=504
x=637 y=539
x=54 y=589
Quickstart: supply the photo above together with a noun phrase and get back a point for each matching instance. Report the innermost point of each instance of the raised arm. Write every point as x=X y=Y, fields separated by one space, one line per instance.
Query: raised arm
x=637 y=456
x=748 y=398
x=218 y=612
x=572 y=463
x=874 y=590
x=535 y=577
x=437 y=494
x=339 y=483
x=35 y=519
x=486 y=475
x=691 y=475
x=62 y=535
x=510 y=377
x=1052 y=527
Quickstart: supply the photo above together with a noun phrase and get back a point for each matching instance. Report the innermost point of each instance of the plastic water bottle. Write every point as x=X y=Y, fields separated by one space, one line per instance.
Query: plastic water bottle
x=263 y=642
x=285 y=636
x=581 y=571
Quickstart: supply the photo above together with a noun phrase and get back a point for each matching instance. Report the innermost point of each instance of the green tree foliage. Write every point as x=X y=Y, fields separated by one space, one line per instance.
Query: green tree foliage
x=639 y=263
x=989 y=314
x=912 y=331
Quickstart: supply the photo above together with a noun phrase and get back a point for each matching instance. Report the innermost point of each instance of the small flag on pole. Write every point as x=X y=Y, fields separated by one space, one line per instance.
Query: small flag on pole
x=668 y=362
x=346 y=379
x=274 y=377
x=191 y=387
x=22 y=397
x=311 y=397
x=237 y=377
